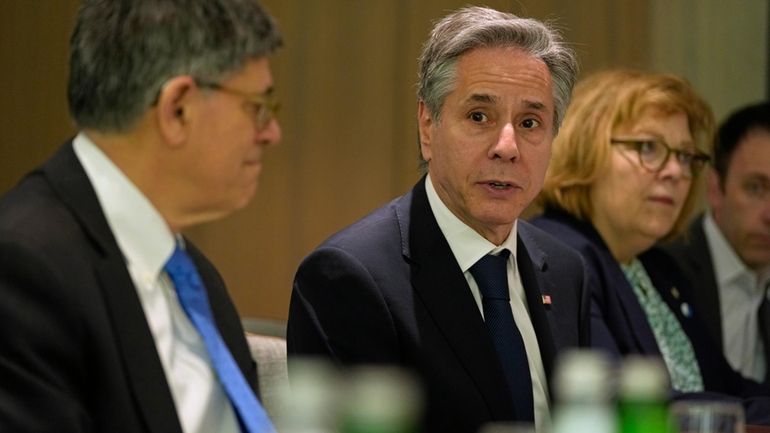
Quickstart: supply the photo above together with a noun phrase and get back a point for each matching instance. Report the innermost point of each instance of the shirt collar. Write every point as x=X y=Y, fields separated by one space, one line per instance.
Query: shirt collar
x=728 y=267
x=140 y=231
x=467 y=245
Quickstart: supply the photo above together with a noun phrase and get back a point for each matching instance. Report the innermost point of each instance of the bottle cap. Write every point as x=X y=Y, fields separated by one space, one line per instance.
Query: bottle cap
x=310 y=402
x=379 y=398
x=643 y=377
x=583 y=375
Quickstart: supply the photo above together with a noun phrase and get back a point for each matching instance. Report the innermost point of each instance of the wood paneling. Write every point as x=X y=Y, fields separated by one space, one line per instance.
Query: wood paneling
x=346 y=77
x=34 y=38
x=721 y=46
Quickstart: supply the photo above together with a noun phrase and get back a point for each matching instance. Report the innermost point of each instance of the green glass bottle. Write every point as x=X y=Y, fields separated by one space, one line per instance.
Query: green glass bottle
x=582 y=386
x=642 y=396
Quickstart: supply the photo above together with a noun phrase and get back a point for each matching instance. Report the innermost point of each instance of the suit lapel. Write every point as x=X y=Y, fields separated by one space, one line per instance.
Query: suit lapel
x=636 y=319
x=635 y=315
x=535 y=286
x=764 y=333
x=706 y=296
x=145 y=374
x=448 y=299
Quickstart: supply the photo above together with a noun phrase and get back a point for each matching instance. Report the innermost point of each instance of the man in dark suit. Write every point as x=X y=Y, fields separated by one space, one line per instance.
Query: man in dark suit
x=408 y=284
x=110 y=320
x=726 y=251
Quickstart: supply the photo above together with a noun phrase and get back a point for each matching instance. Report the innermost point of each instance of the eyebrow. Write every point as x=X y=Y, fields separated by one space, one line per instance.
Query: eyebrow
x=539 y=106
x=690 y=142
x=484 y=98
x=491 y=99
x=755 y=175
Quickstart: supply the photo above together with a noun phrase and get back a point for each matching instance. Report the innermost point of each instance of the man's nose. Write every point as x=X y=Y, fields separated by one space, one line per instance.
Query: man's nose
x=506 y=147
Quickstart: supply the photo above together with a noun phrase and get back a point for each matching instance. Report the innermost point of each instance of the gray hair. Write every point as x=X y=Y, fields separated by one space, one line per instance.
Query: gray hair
x=475 y=27
x=123 y=51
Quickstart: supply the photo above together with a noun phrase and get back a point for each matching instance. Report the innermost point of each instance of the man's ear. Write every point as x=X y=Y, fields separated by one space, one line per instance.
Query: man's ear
x=714 y=191
x=425 y=124
x=173 y=107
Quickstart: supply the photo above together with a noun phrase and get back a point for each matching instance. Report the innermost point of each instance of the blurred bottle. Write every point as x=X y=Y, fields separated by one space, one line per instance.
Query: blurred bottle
x=311 y=401
x=642 y=396
x=583 y=387
x=380 y=400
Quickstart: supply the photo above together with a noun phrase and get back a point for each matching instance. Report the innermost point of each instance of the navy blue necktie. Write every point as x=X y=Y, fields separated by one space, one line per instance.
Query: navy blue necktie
x=192 y=295
x=492 y=278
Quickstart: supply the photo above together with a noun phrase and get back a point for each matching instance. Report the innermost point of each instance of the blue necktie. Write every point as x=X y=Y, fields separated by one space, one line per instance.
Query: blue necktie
x=192 y=295
x=491 y=276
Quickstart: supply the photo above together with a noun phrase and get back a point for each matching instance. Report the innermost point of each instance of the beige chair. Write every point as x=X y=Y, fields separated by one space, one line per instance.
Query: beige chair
x=269 y=352
x=261 y=326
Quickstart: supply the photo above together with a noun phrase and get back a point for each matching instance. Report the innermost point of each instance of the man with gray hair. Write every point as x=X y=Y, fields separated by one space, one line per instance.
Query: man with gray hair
x=110 y=320
x=446 y=281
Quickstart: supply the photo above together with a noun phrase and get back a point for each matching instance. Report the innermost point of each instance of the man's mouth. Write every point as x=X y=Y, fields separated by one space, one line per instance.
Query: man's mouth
x=499 y=185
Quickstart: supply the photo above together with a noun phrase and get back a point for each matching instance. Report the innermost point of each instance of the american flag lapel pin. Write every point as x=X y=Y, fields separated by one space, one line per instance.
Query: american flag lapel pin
x=547 y=301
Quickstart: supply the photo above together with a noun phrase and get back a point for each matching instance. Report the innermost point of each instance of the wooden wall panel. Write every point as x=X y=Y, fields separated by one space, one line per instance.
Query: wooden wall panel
x=347 y=80
x=721 y=46
x=346 y=77
x=34 y=40
x=336 y=77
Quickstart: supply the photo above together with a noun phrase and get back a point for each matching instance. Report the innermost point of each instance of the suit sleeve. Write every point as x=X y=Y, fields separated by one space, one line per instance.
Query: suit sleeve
x=338 y=311
x=41 y=358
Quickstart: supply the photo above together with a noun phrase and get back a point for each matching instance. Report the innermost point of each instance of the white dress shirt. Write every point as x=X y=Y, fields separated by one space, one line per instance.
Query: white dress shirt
x=146 y=242
x=468 y=247
x=740 y=294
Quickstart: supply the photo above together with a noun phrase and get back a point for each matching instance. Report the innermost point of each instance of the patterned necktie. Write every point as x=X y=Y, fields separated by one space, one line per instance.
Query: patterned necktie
x=491 y=276
x=673 y=343
x=192 y=295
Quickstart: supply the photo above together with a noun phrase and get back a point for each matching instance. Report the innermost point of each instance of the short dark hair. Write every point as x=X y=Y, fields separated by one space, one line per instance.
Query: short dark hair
x=734 y=129
x=123 y=51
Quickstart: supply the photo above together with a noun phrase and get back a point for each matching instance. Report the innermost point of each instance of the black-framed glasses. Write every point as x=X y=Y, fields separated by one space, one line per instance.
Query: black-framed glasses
x=654 y=153
x=263 y=106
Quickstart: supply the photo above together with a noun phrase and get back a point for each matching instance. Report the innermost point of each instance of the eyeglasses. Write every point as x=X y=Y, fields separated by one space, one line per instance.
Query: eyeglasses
x=654 y=154
x=263 y=106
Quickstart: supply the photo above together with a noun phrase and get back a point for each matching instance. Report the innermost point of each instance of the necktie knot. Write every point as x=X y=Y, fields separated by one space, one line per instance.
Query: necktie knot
x=181 y=270
x=491 y=275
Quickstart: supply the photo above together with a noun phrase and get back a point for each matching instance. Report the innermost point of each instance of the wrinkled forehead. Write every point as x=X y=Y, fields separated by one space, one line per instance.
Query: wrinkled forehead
x=488 y=74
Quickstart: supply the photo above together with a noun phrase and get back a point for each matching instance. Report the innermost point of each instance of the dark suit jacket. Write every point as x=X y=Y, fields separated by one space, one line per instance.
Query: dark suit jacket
x=618 y=323
x=694 y=258
x=388 y=290
x=76 y=353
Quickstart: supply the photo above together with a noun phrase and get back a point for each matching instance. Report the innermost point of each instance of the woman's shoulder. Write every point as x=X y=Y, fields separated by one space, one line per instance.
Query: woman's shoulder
x=576 y=233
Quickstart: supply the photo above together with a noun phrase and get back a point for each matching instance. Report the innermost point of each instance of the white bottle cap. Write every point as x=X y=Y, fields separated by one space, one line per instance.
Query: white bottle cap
x=583 y=375
x=643 y=377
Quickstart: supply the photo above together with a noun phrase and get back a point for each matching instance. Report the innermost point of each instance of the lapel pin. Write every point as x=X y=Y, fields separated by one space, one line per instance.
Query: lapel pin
x=686 y=310
x=675 y=292
x=547 y=301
